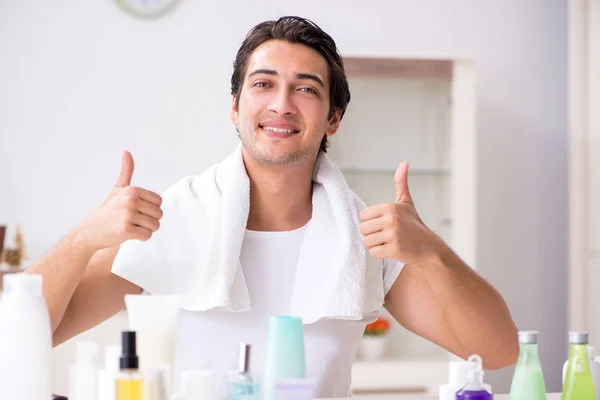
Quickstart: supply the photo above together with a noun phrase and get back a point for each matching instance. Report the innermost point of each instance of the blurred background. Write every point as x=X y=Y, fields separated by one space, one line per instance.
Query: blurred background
x=473 y=93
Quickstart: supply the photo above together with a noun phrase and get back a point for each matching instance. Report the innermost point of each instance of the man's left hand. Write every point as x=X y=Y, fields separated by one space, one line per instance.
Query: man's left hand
x=395 y=230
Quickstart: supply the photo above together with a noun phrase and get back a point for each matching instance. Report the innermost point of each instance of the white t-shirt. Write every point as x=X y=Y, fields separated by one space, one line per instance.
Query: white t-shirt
x=209 y=339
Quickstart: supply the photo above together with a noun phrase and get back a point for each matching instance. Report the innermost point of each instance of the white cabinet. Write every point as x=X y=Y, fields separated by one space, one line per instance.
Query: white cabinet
x=421 y=110
x=584 y=165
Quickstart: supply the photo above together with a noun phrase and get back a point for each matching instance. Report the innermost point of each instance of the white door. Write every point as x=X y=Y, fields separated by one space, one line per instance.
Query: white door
x=464 y=161
x=584 y=131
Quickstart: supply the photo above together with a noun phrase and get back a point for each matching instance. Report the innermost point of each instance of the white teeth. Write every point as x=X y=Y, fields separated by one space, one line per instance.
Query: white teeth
x=279 y=130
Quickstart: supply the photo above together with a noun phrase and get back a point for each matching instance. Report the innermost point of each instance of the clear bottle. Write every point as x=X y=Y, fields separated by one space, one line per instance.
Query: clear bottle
x=474 y=389
x=579 y=384
x=129 y=382
x=528 y=379
x=595 y=367
x=242 y=384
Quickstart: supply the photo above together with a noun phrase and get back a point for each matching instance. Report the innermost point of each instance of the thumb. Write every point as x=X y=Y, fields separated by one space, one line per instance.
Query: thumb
x=126 y=170
x=401 y=179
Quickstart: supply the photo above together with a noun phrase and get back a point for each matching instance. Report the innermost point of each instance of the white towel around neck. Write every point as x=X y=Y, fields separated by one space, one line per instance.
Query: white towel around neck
x=196 y=251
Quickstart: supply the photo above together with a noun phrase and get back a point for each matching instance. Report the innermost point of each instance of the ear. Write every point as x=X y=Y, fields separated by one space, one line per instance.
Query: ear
x=234 y=113
x=334 y=123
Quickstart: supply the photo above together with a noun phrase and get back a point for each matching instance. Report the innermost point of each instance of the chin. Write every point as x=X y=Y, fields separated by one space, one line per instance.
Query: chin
x=278 y=157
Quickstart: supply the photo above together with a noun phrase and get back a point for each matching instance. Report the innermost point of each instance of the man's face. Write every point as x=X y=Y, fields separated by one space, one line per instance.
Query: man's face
x=284 y=104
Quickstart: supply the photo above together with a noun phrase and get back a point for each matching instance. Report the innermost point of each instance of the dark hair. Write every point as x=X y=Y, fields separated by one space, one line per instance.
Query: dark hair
x=303 y=31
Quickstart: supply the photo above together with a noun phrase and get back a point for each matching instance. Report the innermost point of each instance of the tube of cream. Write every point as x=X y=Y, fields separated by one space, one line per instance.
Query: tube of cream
x=154 y=318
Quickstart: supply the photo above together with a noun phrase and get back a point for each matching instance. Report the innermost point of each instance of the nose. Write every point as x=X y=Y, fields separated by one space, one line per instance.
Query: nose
x=282 y=102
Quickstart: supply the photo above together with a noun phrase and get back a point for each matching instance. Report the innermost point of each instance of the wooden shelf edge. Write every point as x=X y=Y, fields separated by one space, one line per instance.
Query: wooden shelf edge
x=398 y=68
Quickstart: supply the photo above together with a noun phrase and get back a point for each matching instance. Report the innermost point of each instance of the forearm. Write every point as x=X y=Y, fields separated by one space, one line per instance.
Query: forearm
x=62 y=268
x=479 y=317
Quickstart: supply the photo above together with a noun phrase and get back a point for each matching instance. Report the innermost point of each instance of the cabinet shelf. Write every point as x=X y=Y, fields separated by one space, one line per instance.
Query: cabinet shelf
x=389 y=171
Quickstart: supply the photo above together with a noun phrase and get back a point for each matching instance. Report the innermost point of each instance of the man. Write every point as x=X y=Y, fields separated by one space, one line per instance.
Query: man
x=289 y=93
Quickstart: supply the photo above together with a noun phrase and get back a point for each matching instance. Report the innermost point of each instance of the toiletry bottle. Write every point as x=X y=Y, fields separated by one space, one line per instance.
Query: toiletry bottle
x=129 y=382
x=241 y=384
x=579 y=384
x=528 y=379
x=107 y=389
x=25 y=339
x=457 y=378
x=474 y=389
x=594 y=366
x=84 y=374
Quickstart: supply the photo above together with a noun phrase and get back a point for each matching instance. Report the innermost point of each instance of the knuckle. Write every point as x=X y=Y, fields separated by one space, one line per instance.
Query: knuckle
x=128 y=215
x=124 y=227
x=391 y=219
x=131 y=201
x=362 y=229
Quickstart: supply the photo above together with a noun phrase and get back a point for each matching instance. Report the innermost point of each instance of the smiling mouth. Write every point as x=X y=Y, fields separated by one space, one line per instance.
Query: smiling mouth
x=279 y=130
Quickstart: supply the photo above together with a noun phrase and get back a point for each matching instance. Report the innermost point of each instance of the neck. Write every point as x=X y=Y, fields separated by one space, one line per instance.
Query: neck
x=280 y=196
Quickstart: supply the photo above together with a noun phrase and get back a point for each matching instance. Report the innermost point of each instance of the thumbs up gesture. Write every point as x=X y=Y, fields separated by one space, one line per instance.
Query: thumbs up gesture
x=127 y=213
x=395 y=230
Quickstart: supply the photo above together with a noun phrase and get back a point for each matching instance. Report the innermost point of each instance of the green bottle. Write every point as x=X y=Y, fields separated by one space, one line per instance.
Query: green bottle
x=528 y=379
x=579 y=384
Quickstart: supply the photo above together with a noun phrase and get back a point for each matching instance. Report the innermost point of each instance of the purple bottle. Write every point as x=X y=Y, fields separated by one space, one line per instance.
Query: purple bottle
x=474 y=390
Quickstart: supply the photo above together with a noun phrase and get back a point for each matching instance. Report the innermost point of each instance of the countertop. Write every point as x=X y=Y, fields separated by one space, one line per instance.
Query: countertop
x=551 y=396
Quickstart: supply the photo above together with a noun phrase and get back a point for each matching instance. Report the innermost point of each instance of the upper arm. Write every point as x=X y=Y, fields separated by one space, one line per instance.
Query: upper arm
x=99 y=295
x=412 y=303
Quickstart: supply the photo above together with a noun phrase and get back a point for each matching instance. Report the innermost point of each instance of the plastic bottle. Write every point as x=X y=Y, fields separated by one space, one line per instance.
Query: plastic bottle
x=579 y=384
x=107 y=388
x=83 y=374
x=457 y=378
x=25 y=339
x=594 y=365
x=474 y=389
x=528 y=379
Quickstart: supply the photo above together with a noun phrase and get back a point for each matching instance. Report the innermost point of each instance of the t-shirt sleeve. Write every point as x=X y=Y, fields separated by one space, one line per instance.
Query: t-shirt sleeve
x=391 y=270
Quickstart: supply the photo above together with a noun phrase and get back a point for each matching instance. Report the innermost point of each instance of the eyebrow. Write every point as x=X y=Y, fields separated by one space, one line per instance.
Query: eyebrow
x=298 y=76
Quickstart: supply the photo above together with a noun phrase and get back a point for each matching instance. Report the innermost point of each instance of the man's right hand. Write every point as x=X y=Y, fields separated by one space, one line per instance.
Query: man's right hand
x=127 y=213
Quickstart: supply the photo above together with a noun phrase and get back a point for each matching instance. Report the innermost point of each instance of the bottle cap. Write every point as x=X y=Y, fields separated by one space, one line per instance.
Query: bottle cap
x=458 y=372
x=475 y=374
x=86 y=353
x=528 y=337
x=578 y=337
x=244 y=357
x=23 y=282
x=129 y=358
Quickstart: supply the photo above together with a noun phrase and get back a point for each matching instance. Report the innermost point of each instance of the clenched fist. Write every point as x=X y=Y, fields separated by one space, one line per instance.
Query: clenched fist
x=395 y=230
x=127 y=213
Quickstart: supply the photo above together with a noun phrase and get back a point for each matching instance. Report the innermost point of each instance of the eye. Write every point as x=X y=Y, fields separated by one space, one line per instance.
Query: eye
x=261 y=84
x=309 y=90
